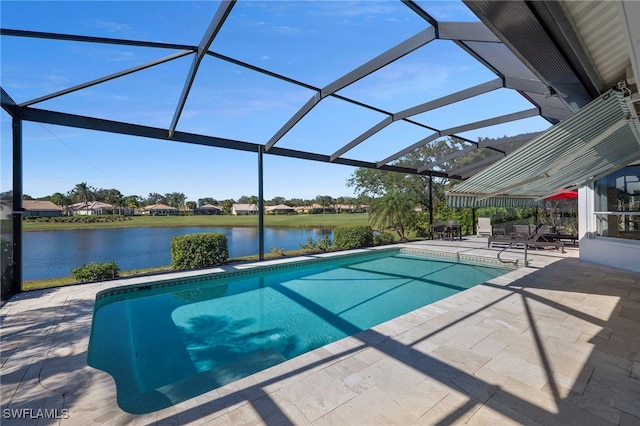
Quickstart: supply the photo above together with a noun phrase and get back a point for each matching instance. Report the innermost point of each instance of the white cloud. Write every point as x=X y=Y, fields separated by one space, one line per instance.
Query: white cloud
x=287 y=30
x=409 y=78
x=104 y=54
x=353 y=9
x=113 y=27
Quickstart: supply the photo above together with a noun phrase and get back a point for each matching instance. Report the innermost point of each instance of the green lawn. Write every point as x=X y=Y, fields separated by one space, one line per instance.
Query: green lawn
x=285 y=221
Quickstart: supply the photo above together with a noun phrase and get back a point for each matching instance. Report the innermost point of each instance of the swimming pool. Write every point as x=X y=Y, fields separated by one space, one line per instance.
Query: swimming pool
x=169 y=341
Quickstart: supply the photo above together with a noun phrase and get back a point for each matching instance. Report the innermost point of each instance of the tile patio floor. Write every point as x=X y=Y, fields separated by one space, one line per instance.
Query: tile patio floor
x=557 y=343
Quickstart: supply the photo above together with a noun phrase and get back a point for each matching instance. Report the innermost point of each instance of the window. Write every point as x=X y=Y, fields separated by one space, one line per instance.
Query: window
x=617 y=204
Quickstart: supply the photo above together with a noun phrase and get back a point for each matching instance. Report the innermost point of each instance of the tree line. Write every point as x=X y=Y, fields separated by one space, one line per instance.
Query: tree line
x=85 y=193
x=405 y=203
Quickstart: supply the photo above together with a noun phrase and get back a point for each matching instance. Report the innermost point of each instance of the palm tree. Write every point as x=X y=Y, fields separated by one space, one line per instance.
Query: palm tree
x=84 y=193
x=176 y=199
x=393 y=210
x=227 y=205
x=325 y=201
x=58 y=199
x=133 y=202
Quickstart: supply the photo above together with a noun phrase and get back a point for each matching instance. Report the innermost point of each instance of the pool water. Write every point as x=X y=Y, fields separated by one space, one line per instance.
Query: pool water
x=177 y=340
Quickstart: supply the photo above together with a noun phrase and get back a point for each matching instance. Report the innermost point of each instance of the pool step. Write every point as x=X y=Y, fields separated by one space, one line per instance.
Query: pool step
x=220 y=376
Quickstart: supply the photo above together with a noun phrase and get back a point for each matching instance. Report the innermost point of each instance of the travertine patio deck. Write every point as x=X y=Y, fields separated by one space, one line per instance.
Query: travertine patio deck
x=557 y=343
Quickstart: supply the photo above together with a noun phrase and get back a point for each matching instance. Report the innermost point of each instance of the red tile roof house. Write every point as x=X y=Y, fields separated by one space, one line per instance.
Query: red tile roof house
x=40 y=208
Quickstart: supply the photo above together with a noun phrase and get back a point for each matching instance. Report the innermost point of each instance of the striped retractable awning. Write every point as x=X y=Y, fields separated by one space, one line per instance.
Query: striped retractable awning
x=595 y=141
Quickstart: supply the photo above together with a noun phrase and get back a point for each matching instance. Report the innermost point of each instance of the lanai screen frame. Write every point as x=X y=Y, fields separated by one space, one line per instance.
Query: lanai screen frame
x=464 y=34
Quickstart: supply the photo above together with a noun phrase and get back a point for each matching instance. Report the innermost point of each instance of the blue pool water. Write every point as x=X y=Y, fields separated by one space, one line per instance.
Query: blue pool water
x=176 y=340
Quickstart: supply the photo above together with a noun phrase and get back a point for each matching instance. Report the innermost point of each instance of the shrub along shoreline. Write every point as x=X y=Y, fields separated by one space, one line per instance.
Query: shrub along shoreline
x=274 y=254
x=212 y=248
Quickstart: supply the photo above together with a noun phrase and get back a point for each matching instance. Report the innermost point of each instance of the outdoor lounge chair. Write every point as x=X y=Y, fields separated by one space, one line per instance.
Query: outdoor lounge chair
x=535 y=239
x=484 y=227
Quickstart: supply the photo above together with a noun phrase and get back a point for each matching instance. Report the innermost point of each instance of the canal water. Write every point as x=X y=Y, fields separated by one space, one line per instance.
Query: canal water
x=52 y=254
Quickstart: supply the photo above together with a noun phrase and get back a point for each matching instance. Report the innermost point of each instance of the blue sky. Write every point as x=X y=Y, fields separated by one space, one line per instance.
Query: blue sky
x=314 y=42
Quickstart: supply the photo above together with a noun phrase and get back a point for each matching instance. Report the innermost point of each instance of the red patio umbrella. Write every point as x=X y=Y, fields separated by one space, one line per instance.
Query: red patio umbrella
x=566 y=195
x=562 y=198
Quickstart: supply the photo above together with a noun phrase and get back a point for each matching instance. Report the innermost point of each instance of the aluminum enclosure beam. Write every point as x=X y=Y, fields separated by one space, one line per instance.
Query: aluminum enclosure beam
x=440 y=160
x=552 y=14
x=90 y=39
x=509 y=20
x=419 y=109
x=510 y=83
x=214 y=27
x=483 y=144
x=260 y=203
x=461 y=95
x=421 y=13
x=466 y=31
x=16 y=215
x=491 y=122
x=410 y=148
x=108 y=78
x=8 y=104
x=380 y=61
x=99 y=124
x=366 y=135
x=13 y=285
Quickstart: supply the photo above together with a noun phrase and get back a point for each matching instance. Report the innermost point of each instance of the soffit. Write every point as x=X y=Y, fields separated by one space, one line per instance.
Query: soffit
x=600 y=31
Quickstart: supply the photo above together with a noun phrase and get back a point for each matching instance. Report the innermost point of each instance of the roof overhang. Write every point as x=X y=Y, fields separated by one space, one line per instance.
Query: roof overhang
x=599 y=139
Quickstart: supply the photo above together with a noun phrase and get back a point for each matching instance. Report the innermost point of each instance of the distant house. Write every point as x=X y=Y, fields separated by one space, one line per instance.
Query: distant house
x=351 y=208
x=208 y=209
x=40 y=208
x=315 y=208
x=279 y=209
x=244 y=209
x=91 y=208
x=161 y=210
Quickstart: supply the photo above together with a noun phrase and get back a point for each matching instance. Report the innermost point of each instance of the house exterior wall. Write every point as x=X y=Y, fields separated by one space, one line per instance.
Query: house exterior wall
x=90 y=212
x=207 y=211
x=163 y=212
x=244 y=209
x=614 y=252
x=623 y=254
